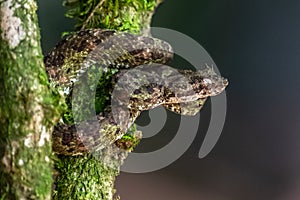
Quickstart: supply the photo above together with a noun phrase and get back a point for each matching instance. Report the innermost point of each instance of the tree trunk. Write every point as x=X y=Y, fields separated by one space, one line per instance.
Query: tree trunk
x=87 y=176
x=29 y=108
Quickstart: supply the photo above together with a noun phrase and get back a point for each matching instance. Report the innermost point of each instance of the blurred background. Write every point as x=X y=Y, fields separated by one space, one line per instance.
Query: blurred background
x=256 y=45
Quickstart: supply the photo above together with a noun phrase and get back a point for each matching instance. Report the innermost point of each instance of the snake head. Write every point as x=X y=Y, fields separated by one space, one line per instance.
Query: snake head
x=213 y=85
x=206 y=82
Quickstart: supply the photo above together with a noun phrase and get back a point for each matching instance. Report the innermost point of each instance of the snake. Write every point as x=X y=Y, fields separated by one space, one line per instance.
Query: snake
x=138 y=80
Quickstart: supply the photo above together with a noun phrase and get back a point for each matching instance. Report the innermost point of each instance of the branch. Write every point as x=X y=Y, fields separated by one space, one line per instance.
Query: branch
x=85 y=176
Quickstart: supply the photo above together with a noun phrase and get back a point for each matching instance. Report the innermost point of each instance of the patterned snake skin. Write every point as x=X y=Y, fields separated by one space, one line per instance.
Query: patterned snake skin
x=137 y=84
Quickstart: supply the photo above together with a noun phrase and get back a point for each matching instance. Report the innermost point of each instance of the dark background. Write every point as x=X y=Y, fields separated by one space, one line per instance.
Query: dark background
x=256 y=45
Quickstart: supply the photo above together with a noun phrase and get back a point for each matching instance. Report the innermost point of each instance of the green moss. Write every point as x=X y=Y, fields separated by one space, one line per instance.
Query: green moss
x=83 y=177
x=130 y=140
x=122 y=15
x=103 y=96
x=100 y=100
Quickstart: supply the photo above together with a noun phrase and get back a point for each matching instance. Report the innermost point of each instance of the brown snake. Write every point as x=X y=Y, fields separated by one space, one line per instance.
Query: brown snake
x=108 y=51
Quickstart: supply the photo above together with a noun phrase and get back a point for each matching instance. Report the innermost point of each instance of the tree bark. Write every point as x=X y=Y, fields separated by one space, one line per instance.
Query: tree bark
x=29 y=108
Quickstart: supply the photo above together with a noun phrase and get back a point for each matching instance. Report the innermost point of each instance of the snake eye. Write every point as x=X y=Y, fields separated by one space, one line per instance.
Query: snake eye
x=207 y=81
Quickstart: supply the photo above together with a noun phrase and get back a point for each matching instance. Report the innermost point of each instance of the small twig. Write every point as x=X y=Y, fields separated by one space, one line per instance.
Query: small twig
x=92 y=14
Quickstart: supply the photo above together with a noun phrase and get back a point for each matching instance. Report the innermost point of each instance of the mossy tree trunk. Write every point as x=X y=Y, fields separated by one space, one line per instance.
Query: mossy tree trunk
x=86 y=177
x=29 y=109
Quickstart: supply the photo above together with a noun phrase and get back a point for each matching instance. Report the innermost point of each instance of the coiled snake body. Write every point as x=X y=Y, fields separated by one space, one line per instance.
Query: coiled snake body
x=182 y=91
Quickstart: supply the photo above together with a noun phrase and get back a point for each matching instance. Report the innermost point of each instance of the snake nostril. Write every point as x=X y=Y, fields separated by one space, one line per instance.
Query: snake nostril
x=225 y=81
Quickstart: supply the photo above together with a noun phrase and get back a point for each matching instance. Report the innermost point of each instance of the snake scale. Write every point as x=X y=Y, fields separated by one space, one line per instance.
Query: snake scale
x=180 y=91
